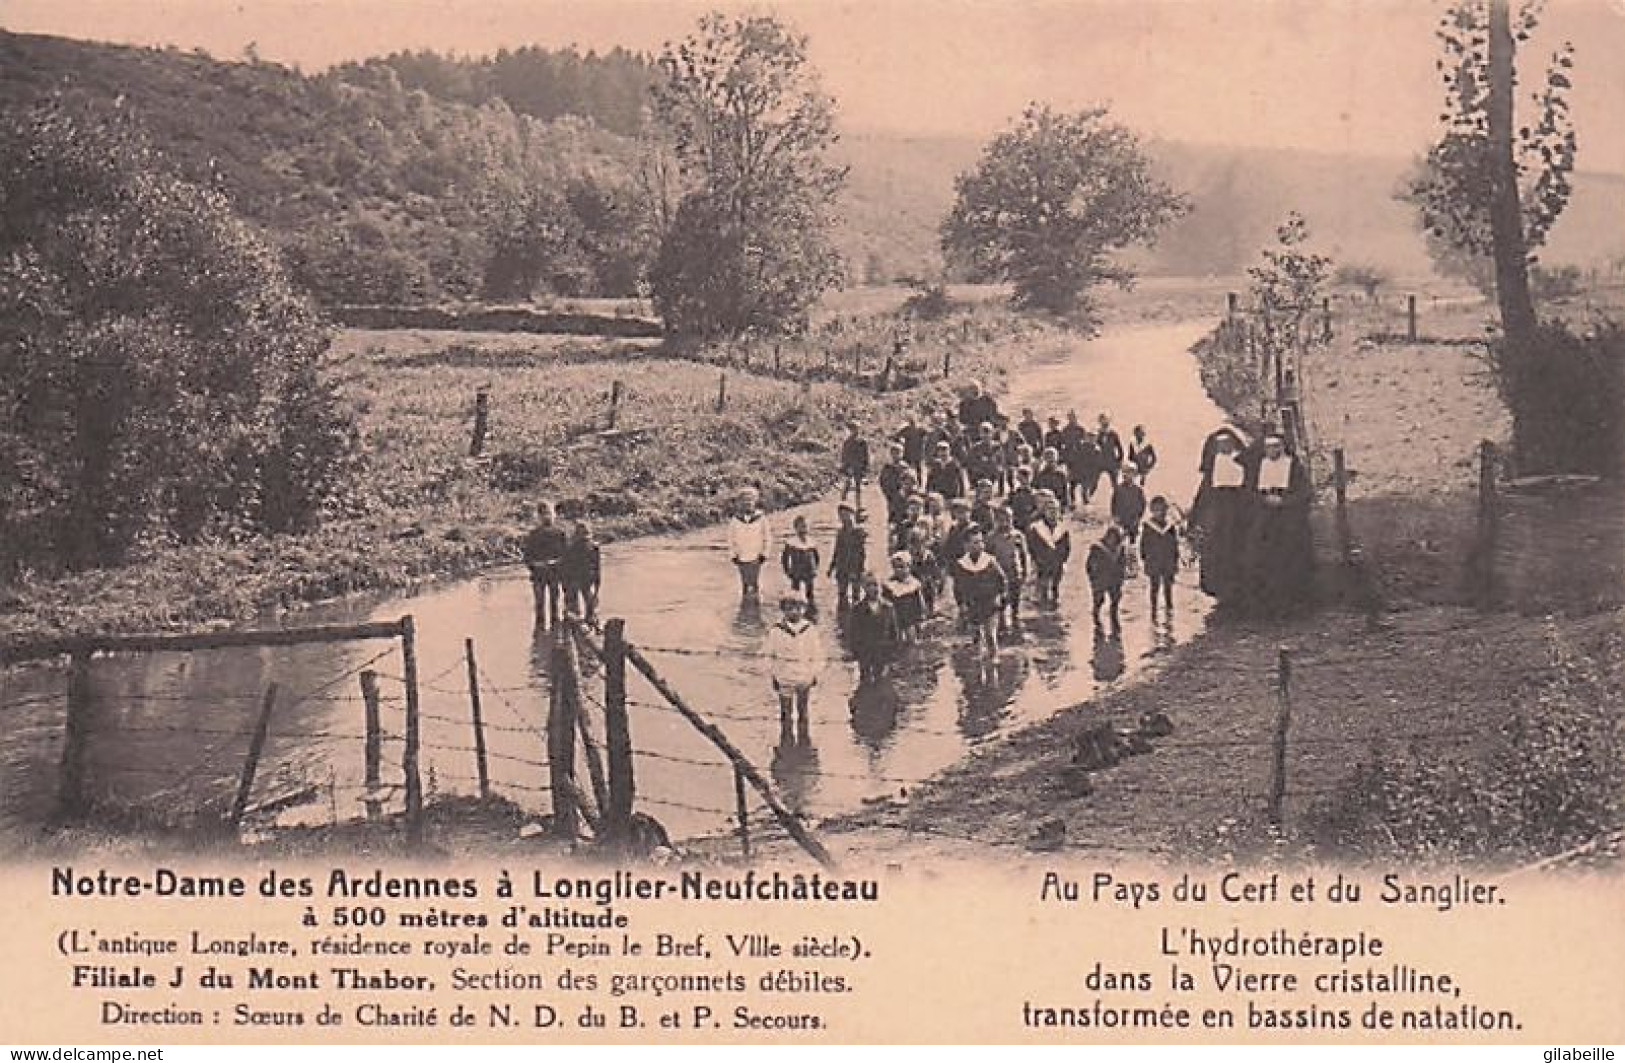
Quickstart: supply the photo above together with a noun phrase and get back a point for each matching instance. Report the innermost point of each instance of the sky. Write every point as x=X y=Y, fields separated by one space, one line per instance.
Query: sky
x=1328 y=75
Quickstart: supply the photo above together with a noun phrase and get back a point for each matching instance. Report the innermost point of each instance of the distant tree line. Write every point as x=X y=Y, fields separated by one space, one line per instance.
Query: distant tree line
x=611 y=89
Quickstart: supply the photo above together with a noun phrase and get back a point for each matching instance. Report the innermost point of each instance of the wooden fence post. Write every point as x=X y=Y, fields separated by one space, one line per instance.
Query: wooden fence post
x=482 y=421
x=1232 y=303
x=561 y=739
x=1326 y=319
x=373 y=755
x=1410 y=318
x=481 y=768
x=251 y=763
x=614 y=402
x=722 y=391
x=70 y=794
x=1283 y=720
x=409 y=754
x=744 y=813
x=948 y=362
x=617 y=732
x=1340 y=484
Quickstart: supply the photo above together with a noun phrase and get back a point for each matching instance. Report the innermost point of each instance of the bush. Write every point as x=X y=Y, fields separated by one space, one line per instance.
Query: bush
x=1561 y=282
x=1566 y=393
x=1552 y=778
x=163 y=380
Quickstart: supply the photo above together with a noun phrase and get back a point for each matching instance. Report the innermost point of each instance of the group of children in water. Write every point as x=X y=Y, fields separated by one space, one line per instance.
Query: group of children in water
x=974 y=509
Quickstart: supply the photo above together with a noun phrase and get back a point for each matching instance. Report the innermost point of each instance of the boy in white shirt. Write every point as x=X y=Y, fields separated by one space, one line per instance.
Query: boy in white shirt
x=749 y=539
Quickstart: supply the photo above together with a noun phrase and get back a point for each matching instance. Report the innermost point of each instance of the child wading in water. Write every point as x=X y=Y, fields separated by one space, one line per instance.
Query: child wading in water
x=748 y=539
x=906 y=594
x=1049 y=544
x=583 y=572
x=871 y=628
x=543 y=549
x=979 y=584
x=795 y=653
x=847 y=561
x=1159 y=549
x=800 y=562
x=1107 y=566
x=1009 y=548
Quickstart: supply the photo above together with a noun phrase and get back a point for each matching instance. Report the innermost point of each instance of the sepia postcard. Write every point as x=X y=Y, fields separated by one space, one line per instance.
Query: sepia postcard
x=1048 y=522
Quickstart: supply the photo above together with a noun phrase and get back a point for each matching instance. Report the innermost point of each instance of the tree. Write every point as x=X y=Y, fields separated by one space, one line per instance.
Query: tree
x=1491 y=190
x=749 y=245
x=162 y=378
x=1369 y=278
x=1050 y=201
x=1284 y=292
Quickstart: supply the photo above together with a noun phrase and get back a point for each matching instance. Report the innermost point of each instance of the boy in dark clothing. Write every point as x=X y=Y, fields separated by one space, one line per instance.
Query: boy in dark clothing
x=799 y=559
x=1083 y=465
x=854 y=462
x=1159 y=550
x=1031 y=432
x=583 y=572
x=1053 y=439
x=982 y=506
x=890 y=479
x=1110 y=445
x=1077 y=460
x=847 y=560
x=912 y=438
x=1128 y=504
x=979 y=586
x=1141 y=453
x=977 y=407
x=1107 y=567
x=1022 y=501
x=945 y=476
x=543 y=550
x=986 y=459
x=871 y=630
x=1049 y=545
x=1051 y=477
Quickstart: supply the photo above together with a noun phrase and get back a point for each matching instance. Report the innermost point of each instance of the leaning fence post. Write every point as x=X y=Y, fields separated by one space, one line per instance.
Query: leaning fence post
x=70 y=795
x=251 y=763
x=482 y=420
x=480 y=765
x=374 y=750
x=561 y=739
x=617 y=732
x=1283 y=720
x=409 y=753
x=744 y=812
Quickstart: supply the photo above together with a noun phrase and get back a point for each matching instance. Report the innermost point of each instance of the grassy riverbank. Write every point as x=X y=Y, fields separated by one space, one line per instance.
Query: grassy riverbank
x=423 y=509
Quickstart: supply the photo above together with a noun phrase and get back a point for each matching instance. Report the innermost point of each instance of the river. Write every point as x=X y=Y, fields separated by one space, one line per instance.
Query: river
x=172 y=727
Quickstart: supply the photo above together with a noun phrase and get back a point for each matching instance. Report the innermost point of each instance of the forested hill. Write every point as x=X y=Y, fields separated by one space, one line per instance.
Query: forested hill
x=611 y=89
x=374 y=192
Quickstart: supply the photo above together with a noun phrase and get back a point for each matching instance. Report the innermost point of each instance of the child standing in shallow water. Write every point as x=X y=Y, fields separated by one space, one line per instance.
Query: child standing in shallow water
x=1159 y=549
x=1107 y=567
x=849 y=556
x=795 y=654
x=800 y=562
x=583 y=572
x=906 y=594
x=871 y=628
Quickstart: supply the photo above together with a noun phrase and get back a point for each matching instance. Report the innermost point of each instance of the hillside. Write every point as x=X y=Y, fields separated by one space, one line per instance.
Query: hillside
x=374 y=193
